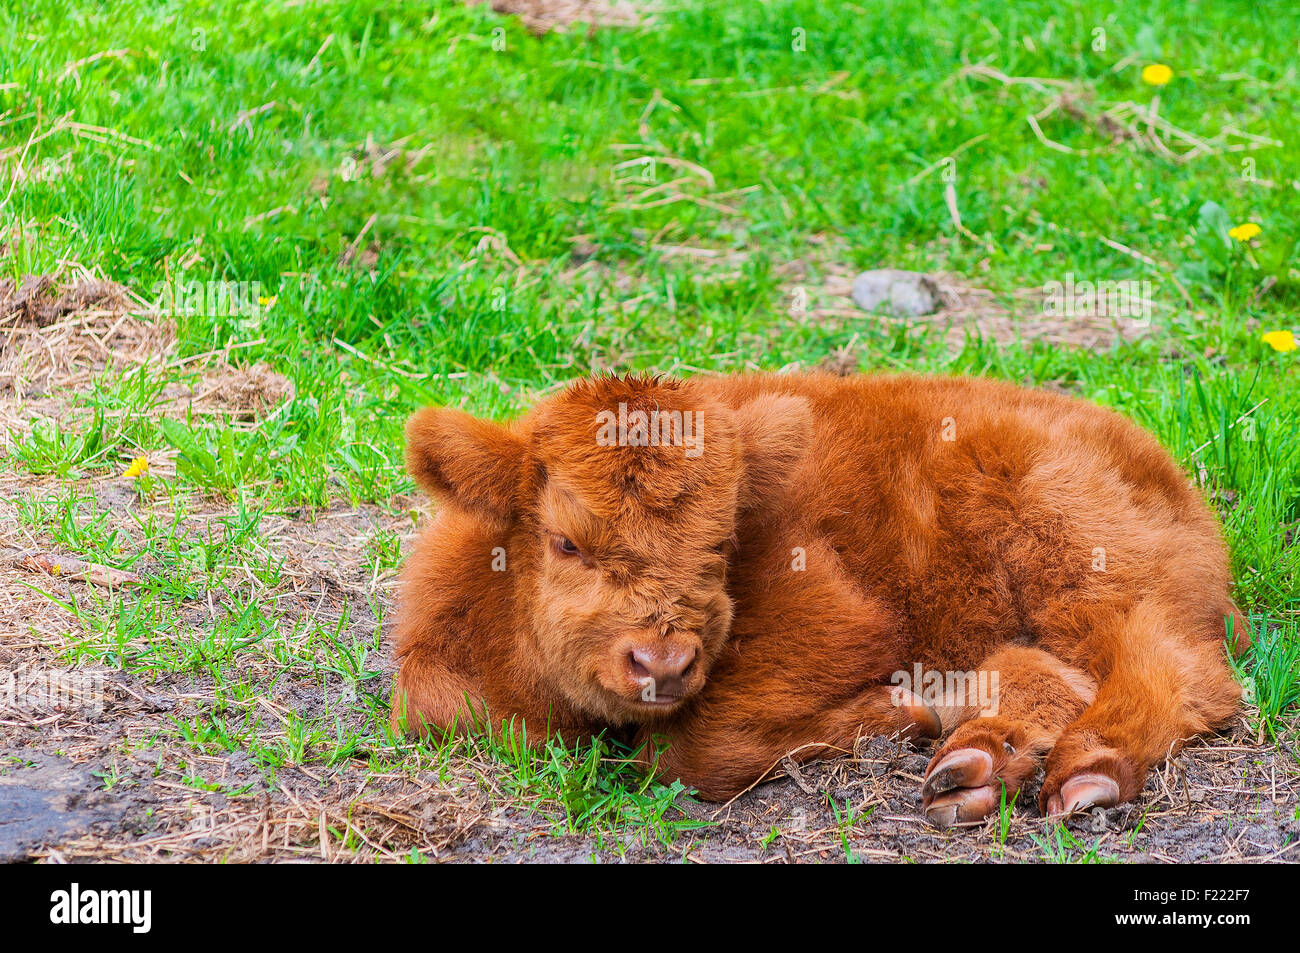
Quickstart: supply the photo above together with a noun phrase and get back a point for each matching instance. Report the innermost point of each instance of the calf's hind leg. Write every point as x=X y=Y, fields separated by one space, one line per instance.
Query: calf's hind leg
x=1000 y=741
x=1163 y=680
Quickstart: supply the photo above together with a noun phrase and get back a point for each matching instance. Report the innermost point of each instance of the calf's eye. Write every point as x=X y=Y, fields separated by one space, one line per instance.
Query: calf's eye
x=567 y=546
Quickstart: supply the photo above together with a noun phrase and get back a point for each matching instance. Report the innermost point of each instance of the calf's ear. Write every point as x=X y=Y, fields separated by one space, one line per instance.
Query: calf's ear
x=458 y=458
x=775 y=432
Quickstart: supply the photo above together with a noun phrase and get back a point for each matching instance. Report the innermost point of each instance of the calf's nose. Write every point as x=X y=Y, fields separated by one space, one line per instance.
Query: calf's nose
x=665 y=666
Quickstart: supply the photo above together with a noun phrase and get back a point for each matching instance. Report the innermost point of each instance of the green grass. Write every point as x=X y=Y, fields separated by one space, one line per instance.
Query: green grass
x=846 y=820
x=230 y=144
x=1059 y=846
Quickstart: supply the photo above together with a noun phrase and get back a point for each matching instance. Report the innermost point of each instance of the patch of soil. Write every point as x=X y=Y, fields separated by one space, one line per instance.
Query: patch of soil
x=179 y=800
x=816 y=289
x=843 y=362
x=1228 y=798
x=38 y=300
x=966 y=309
x=46 y=798
x=1224 y=799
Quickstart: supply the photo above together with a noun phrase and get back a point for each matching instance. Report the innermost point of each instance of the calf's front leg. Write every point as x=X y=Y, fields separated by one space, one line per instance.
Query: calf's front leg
x=999 y=742
x=805 y=672
x=721 y=757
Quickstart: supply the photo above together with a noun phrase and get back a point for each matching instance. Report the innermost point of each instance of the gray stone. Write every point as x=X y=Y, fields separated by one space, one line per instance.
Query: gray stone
x=901 y=293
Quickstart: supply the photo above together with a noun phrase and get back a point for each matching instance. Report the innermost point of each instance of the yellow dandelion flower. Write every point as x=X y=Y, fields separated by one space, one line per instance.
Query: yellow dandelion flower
x=266 y=302
x=1244 y=233
x=1281 y=341
x=1157 y=74
x=139 y=466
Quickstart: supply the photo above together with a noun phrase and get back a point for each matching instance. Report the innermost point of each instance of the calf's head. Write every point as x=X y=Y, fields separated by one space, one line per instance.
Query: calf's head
x=618 y=501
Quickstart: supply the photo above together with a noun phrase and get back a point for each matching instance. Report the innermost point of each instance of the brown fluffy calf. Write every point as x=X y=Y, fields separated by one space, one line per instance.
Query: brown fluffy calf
x=764 y=567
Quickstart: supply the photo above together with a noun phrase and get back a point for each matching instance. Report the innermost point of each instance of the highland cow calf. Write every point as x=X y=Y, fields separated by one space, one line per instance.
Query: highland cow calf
x=756 y=566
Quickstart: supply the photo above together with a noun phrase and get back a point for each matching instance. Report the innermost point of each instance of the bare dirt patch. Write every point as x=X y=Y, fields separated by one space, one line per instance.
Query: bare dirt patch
x=823 y=294
x=120 y=729
x=243 y=393
x=815 y=288
x=127 y=782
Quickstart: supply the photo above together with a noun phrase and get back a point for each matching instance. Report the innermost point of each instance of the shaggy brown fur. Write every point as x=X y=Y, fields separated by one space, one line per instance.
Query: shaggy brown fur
x=758 y=594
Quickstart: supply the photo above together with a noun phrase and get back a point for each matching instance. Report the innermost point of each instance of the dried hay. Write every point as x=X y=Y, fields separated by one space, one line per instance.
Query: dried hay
x=243 y=393
x=55 y=334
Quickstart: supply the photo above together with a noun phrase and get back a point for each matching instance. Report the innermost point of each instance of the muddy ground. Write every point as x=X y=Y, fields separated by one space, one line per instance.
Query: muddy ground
x=120 y=784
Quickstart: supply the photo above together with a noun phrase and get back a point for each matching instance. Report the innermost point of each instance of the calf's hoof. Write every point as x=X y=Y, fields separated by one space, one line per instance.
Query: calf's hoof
x=1082 y=792
x=966 y=777
x=960 y=789
x=1079 y=780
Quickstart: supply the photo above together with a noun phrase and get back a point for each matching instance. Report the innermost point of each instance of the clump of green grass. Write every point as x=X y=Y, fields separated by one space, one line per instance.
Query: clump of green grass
x=1270 y=674
x=1058 y=845
x=596 y=787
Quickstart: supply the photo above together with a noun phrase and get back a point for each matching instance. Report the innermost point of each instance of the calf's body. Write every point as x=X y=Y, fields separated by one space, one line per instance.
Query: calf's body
x=784 y=576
